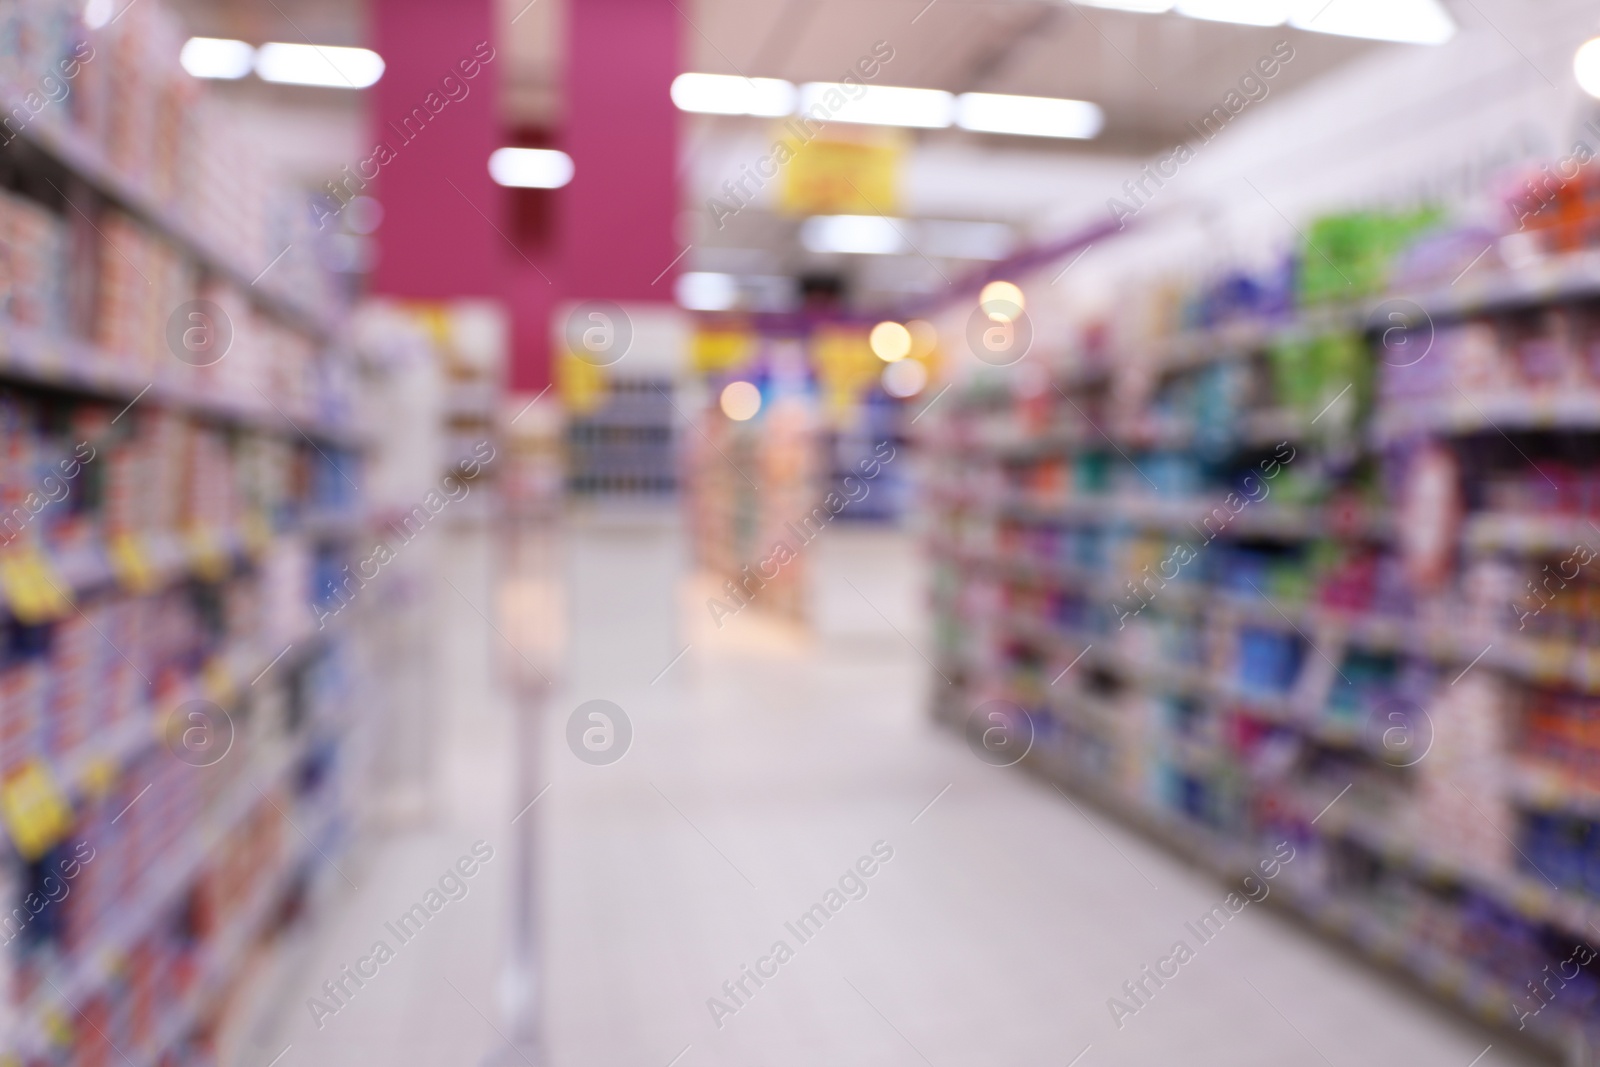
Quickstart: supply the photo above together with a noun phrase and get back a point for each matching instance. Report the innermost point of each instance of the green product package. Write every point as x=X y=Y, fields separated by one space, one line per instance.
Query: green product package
x=1348 y=256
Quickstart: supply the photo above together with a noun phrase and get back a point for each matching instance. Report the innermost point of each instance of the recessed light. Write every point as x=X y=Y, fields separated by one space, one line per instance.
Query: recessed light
x=530 y=168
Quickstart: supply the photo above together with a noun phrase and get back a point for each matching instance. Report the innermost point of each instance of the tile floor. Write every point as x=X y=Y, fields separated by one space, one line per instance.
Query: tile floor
x=763 y=766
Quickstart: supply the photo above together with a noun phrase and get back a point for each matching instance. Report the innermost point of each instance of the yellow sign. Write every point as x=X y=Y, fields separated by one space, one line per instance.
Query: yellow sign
x=830 y=176
x=721 y=350
x=845 y=366
x=36 y=812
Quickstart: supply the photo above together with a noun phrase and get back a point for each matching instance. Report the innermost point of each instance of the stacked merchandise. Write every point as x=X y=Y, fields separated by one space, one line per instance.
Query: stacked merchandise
x=119 y=170
x=622 y=446
x=879 y=428
x=174 y=499
x=756 y=488
x=1254 y=566
x=810 y=442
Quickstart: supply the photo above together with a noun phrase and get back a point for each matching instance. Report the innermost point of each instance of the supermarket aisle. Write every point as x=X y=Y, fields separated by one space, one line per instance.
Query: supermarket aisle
x=404 y=1014
x=763 y=769
x=996 y=922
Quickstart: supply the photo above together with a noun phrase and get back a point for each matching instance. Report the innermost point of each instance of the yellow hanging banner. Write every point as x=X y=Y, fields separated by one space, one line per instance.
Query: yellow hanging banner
x=842 y=176
x=721 y=350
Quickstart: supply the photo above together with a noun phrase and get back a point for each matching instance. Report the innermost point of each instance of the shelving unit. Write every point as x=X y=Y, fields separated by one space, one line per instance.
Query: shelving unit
x=881 y=421
x=747 y=481
x=1346 y=652
x=166 y=531
x=625 y=447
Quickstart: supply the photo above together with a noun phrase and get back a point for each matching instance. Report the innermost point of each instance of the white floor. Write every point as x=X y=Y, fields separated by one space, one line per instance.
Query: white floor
x=763 y=766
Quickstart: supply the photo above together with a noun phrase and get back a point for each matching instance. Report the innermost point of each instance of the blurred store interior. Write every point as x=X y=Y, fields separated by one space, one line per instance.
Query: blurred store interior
x=693 y=533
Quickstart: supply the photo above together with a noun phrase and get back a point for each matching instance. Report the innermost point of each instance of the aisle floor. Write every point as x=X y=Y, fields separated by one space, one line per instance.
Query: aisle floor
x=765 y=765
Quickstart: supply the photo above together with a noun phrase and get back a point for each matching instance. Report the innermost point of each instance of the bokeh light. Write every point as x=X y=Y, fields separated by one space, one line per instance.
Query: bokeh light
x=904 y=378
x=740 y=401
x=1001 y=301
x=890 y=341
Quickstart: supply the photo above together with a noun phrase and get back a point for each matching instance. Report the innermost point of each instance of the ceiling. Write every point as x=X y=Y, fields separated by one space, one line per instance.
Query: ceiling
x=1151 y=74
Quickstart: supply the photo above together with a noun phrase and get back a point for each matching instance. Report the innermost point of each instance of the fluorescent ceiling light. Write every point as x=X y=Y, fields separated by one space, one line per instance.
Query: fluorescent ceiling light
x=964 y=240
x=1243 y=12
x=1406 y=21
x=530 y=168
x=705 y=291
x=877 y=105
x=1143 y=7
x=879 y=236
x=859 y=234
x=1030 y=116
x=1586 y=66
x=216 y=57
x=319 y=64
x=729 y=94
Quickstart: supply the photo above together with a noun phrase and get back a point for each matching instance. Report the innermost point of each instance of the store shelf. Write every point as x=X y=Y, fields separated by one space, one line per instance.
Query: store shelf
x=1182 y=515
x=1543 y=662
x=1549 y=280
x=1459 y=980
x=100 y=759
x=1531 y=532
x=32 y=358
x=83 y=159
x=1240 y=684
x=1501 y=411
x=222 y=961
x=170 y=878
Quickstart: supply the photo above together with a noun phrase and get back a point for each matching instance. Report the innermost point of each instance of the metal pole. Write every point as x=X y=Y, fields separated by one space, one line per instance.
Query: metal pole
x=525 y=531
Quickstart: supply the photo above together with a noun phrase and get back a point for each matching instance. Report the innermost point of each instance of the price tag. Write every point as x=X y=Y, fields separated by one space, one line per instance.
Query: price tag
x=50 y=585
x=18 y=589
x=131 y=562
x=36 y=811
x=59 y=1026
x=34 y=596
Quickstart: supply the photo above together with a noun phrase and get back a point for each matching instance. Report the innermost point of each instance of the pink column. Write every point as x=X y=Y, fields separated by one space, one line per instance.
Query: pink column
x=446 y=232
x=435 y=111
x=617 y=217
x=532 y=299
